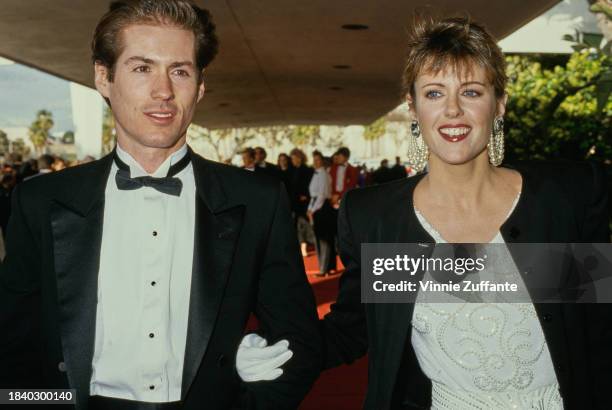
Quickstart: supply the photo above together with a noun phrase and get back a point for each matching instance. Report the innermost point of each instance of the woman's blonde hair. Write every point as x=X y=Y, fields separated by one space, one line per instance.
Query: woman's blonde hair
x=457 y=42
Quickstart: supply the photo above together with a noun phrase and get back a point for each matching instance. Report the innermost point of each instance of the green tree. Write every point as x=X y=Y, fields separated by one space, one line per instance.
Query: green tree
x=108 y=131
x=592 y=42
x=18 y=146
x=375 y=130
x=372 y=134
x=603 y=13
x=226 y=142
x=39 y=130
x=273 y=135
x=215 y=138
x=553 y=113
x=4 y=143
x=303 y=135
x=564 y=111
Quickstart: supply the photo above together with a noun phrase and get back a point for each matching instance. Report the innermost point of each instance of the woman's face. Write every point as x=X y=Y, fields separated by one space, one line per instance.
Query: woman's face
x=317 y=161
x=296 y=161
x=282 y=161
x=456 y=113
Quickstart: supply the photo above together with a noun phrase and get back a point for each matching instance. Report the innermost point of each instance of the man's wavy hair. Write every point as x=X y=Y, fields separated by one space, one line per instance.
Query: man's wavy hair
x=435 y=44
x=107 y=45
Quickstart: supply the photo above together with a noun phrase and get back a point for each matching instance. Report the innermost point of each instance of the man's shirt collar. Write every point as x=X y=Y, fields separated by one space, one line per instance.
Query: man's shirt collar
x=136 y=170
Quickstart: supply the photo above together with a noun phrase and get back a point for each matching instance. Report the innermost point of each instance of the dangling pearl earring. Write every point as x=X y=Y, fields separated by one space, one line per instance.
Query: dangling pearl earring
x=417 y=150
x=495 y=146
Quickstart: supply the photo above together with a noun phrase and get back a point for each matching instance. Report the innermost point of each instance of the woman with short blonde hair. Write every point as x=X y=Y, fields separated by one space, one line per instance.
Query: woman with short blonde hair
x=471 y=355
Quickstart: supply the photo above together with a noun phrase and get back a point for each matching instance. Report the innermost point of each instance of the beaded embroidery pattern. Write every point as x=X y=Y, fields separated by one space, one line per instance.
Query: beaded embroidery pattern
x=496 y=348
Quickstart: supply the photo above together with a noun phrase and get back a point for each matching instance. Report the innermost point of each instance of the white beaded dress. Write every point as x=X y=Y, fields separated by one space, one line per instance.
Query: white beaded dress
x=484 y=355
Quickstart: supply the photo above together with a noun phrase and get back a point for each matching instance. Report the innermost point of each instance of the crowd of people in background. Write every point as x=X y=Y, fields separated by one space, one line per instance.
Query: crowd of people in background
x=315 y=192
x=15 y=170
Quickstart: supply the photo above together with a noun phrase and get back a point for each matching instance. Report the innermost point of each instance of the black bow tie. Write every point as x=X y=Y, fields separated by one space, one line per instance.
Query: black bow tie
x=167 y=185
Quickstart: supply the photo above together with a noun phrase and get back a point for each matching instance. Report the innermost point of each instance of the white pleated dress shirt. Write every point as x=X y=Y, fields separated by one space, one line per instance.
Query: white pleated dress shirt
x=340 y=171
x=144 y=284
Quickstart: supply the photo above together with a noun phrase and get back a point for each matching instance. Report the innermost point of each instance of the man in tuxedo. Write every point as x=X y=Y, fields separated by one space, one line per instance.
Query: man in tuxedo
x=263 y=166
x=131 y=278
x=248 y=159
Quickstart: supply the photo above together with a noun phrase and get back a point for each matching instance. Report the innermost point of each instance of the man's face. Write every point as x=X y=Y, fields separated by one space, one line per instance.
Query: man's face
x=260 y=157
x=155 y=88
x=247 y=159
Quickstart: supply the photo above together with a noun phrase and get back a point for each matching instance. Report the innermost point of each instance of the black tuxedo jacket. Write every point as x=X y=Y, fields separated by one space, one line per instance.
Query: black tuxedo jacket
x=246 y=259
x=269 y=169
x=561 y=202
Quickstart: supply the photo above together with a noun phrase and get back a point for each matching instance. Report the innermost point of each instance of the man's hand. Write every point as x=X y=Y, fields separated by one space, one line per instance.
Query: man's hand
x=256 y=361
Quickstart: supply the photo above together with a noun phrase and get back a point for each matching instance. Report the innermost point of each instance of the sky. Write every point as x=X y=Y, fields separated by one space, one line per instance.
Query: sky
x=24 y=91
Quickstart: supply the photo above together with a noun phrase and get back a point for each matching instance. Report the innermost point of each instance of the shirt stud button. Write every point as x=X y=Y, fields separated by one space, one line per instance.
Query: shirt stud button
x=153 y=283
x=154 y=233
x=151 y=335
x=151 y=387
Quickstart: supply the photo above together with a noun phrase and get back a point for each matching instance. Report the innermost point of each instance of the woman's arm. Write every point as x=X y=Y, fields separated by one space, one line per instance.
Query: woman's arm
x=344 y=327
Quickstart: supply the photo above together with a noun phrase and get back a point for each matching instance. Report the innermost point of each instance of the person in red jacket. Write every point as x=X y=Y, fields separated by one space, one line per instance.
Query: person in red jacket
x=344 y=176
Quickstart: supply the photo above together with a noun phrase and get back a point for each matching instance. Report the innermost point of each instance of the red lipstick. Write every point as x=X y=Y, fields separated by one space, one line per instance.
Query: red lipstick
x=454 y=132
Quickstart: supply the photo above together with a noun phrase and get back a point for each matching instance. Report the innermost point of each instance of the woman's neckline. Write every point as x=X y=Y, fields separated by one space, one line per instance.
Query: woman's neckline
x=431 y=230
x=515 y=205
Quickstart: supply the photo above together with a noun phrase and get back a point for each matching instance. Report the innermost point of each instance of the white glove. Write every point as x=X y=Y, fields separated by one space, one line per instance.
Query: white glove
x=256 y=361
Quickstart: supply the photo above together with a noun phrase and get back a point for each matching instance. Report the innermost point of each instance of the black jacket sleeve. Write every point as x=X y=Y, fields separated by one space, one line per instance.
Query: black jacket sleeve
x=595 y=229
x=344 y=327
x=20 y=361
x=286 y=310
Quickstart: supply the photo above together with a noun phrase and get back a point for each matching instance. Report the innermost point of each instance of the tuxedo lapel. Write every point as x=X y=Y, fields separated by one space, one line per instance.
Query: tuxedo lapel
x=218 y=224
x=76 y=223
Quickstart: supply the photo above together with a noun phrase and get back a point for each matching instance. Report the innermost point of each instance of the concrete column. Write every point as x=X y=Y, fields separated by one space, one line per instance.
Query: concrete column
x=87 y=113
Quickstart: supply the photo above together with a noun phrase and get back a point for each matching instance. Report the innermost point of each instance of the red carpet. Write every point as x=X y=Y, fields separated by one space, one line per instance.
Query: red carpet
x=342 y=388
